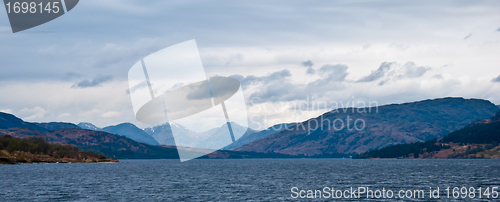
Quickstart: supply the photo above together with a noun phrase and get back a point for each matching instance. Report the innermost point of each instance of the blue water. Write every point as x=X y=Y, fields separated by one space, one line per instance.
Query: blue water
x=235 y=180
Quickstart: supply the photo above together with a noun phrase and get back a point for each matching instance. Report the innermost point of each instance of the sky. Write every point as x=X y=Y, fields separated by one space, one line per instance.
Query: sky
x=284 y=53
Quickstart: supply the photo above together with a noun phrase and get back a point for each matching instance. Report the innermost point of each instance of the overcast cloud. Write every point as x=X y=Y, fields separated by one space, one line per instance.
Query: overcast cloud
x=377 y=74
x=75 y=67
x=497 y=79
x=98 y=81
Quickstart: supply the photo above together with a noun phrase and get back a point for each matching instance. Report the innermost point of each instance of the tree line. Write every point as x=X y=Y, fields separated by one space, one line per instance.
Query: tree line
x=37 y=145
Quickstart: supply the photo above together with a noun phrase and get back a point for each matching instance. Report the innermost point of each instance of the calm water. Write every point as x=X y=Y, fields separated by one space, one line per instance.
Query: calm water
x=234 y=180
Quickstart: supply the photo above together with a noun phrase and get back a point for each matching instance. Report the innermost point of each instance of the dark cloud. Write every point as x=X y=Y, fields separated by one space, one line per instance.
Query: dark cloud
x=278 y=91
x=143 y=84
x=414 y=71
x=336 y=72
x=497 y=79
x=307 y=63
x=93 y=83
x=381 y=83
x=466 y=37
x=377 y=74
x=438 y=76
x=498 y=30
x=310 y=70
x=251 y=79
x=333 y=77
x=71 y=75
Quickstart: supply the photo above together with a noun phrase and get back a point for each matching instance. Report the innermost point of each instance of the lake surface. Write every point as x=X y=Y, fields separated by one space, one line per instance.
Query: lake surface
x=238 y=179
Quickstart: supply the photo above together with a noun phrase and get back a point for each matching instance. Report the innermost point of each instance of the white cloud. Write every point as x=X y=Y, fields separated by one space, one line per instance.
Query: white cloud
x=36 y=113
x=64 y=115
x=8 y=111
x=59 y=100
x=110 y=114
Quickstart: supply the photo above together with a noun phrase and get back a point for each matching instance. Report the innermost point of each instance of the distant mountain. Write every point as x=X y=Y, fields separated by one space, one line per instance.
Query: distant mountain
x=89 y=126
x=215 y=138
x=384 y=126
x=131 y=131
x=11 y=121
x=125 y=129
x=221 y=137
x=56 y=125
x=252 y=135
x=163 y=134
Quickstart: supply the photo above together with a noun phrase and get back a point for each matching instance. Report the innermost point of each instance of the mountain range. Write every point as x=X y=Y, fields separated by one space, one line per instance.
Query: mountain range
x=383 y=126
x=214 y=139
x=111 y=145
x=163 y=134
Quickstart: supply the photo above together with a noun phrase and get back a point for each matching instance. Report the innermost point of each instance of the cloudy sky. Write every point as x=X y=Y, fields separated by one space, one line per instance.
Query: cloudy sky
x=75 y=67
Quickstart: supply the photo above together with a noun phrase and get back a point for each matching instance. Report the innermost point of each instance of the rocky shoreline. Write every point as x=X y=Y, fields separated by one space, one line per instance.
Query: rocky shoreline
x=18 y=157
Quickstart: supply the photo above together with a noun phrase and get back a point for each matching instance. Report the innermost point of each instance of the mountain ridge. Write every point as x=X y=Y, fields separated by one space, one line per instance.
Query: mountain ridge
x=10 y=121
x=56 y=125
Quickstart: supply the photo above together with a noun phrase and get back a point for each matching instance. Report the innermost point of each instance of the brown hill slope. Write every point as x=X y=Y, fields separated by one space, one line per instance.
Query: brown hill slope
x=36 y=150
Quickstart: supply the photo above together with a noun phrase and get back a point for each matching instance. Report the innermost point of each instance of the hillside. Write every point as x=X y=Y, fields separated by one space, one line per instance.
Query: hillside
x=384 y=126
x=477 y=140
x=481 y=132
x=37 y=150
x=111 y=145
